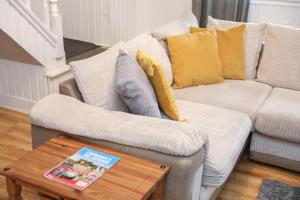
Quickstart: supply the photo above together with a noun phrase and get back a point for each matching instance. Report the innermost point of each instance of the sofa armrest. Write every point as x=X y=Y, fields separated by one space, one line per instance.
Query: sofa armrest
x=69 y=87
x=69 y=115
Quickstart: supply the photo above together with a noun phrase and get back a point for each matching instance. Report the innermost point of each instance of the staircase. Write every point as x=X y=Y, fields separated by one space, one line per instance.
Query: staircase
x=35 y=41
x=32 y=56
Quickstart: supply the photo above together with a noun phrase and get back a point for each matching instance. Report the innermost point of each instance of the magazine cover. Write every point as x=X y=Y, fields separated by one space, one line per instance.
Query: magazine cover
x=82 y=168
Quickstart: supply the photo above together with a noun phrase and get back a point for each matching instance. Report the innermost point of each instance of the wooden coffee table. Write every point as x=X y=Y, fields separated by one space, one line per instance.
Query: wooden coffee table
x=132 y=178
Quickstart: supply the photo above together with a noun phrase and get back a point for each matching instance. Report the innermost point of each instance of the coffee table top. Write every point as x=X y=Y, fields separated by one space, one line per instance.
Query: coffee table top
x=131 y=178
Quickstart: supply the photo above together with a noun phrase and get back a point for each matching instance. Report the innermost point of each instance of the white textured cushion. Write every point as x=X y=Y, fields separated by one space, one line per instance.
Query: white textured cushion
x=69 y=115
x=254 y=37
x=244 y=96
x=227 y=132
x=176 y=27
x=279 y=116
x=280 y=63
x=150 y=45
x=95 y=78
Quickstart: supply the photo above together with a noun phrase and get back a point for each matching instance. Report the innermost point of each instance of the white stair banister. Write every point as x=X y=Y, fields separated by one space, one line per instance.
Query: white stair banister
x=56 y=27
x=46 y=11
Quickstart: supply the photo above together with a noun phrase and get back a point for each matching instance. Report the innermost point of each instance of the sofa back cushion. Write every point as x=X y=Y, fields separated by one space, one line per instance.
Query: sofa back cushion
x=176 y=27
x=280 y=62
x=95 y=78
x=254 y=37
x=149 y=44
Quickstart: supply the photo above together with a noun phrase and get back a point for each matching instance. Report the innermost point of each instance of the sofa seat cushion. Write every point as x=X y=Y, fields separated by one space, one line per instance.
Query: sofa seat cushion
x=242 y=95
x=279 y=117
x=227 y=132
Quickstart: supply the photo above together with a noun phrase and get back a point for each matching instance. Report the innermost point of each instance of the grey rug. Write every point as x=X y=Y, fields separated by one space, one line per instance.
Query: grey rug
x=275 y=190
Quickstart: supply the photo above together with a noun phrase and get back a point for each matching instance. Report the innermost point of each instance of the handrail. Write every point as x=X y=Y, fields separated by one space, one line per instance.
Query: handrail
x=35 y=22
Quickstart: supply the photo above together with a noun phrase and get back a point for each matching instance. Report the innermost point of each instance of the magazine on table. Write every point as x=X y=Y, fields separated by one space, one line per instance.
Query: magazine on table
x=82 y=168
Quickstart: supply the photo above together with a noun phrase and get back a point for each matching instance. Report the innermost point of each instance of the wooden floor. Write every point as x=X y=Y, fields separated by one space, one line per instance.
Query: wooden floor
x=244 y=182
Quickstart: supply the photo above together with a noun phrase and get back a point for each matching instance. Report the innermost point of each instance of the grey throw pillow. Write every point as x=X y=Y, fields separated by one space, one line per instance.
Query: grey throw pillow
x=134 y=87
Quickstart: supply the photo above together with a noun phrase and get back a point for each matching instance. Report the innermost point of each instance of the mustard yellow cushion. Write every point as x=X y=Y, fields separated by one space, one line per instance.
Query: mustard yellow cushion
x=160 y=83
x=195 y=59
x=231 y=51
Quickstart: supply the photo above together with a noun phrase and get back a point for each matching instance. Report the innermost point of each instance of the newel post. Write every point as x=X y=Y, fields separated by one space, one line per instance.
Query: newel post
x=57 y=28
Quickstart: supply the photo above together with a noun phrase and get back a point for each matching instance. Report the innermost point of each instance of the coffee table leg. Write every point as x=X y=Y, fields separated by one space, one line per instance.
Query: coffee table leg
x=158 y=194
x=13 y=189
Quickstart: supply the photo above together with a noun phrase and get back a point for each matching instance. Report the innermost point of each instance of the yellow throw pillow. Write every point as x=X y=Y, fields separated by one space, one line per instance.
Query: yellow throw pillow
x=195 y=59
x=231 y=51
x=160 y=83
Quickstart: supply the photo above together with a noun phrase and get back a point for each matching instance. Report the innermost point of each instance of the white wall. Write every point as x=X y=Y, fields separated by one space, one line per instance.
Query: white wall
x=286 y=12
x=106 y=22
x=86 y=20
x=21 y=85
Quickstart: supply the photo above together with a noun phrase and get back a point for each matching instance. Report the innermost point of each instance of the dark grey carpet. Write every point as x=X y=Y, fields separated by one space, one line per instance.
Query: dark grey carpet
x=77 y=50
x=275 y=190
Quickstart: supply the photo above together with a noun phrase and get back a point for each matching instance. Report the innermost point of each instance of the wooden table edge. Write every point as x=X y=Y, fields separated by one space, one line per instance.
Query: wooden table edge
x=153 y=193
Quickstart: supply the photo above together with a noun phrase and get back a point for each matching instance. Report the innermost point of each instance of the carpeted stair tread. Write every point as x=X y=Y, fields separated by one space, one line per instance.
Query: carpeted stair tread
x=78 y=50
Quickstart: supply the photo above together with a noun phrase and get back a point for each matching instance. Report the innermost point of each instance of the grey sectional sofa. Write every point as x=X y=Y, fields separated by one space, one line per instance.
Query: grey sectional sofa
x=221 y=118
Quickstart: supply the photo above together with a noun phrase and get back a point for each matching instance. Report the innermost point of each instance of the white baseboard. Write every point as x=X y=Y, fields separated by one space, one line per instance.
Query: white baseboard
x=15 y=103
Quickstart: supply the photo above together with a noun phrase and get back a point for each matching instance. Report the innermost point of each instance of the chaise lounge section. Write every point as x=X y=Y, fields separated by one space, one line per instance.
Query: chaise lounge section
x=227 y=133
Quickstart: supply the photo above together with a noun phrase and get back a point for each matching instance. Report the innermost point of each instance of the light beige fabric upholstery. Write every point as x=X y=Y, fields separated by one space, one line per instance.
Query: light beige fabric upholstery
x=280 y=62
x=227 y=132
x=275 y=151
x=210 y=193
x=150 y=45
x=95 y=77
x=279 y=117
x=244 y=96
x=176 y=27
x=254 y=37
x=69 y=115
